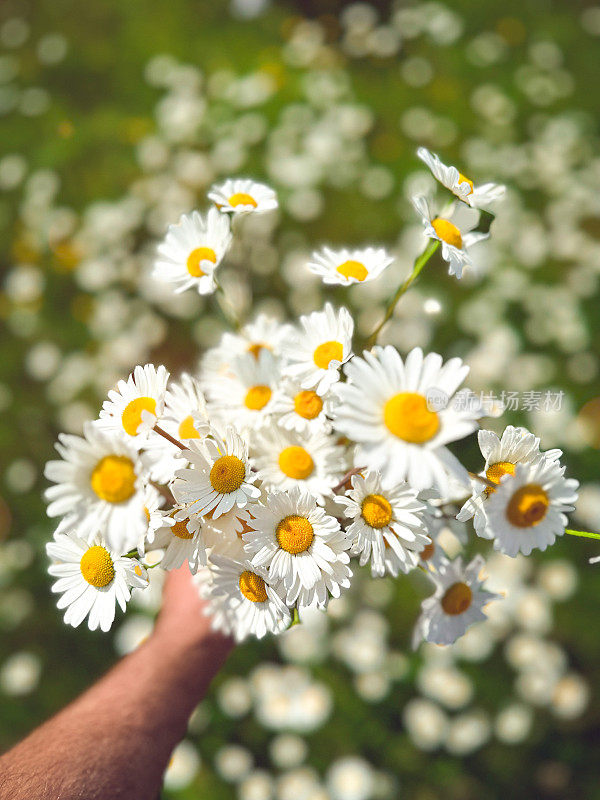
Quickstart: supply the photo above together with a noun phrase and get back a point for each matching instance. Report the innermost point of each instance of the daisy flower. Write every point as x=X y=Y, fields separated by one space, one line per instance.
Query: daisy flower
x=185 y=417
x=220 y=477
x=527 y=509
x=456 y=604
x=316 y=354
x=239 y=195
x=301 y=410
x=92 y=579
x=285 y=460
x=100 y=486
x=346 y=267
x=181 y=539
x=136 y=405
x=454 y=231
x=243 y=601
x=388 y=527
x=402 y=416
x=244 y=397
x=459 y=185
x=302 y=548
x=433 y=555
x=517 y=446
x=192 y=250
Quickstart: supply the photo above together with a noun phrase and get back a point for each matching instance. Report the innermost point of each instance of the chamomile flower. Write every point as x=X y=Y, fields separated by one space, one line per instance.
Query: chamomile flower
x=388 y=527
x=402 y=416
x=517 y=446
x=346 y=267
x=242 y=195
x=285 y=460
x=244 y=397
x=302 y=548
x=301 y=410
x=243 y=601
x=454 y=231
x=527 y=509
x=181 y=539
x=136 y=404
x=192 y=251
x=100 y=486
x=219 y=479
x=316 y=354
x=463 y=188
x=185 y=417
x=456 y=604
x=264 y=333
x=92 y=579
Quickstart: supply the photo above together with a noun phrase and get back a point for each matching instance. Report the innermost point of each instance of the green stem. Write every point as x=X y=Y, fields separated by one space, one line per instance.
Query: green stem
x=226 y=308
x=420 y=262
x=295 y=618
x=583 y=534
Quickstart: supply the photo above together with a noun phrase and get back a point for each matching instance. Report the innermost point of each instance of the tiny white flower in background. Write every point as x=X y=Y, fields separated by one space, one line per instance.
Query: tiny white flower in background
x=91 y=580
x=285 y=460
x=464 y=188
x=301 y=546
x=388 y=529
x=181 y=539
x=248 y=603
x=316 y=353
x=301 y=410
x=219 y=479
x=185 y=417
x=136 y=404
x=100 y=486
x=527 y=509
x=346 y=267
x=244 y=397
x=241 y=195
x=402 y=415
x=454 y=231
x=517 y=446
x=192 y=251
x=456 y=604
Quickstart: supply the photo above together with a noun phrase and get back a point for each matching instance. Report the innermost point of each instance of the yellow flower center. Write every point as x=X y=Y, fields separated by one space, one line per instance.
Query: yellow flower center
x=376 y=510
x=252 y=587
x=353 y=269
x=463 y=179
x=308 y=404
x=180 y=530
x=187 y=429
x=296 y=462
x=256 y=347
x=242 y=199
x=227 y=474
x=406 y=416
x=97 y=566
x=528 y=506
x=495 y=473
x=196 y=257
x=447 y=232
x=113 y=479
x=457 y=599
x=294 y=534
x=257 y=397
x=328 y=352
x=427 y=552
x=131 y=419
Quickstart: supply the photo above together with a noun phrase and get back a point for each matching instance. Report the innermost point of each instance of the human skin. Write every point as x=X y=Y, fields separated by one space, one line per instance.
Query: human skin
x=115 y=741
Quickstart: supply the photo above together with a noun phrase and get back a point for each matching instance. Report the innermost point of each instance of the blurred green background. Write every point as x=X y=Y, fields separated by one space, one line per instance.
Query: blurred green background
x=115 y=118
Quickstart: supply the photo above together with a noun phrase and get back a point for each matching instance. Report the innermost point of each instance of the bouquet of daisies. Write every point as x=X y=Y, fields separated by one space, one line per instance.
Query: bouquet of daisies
x=296 y=451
